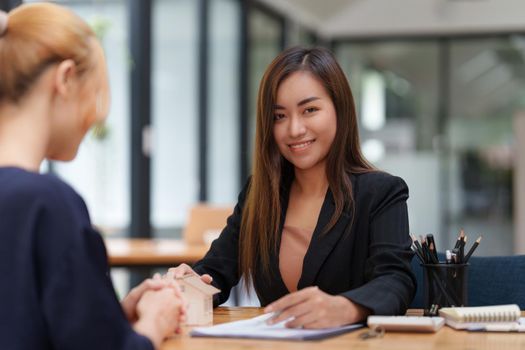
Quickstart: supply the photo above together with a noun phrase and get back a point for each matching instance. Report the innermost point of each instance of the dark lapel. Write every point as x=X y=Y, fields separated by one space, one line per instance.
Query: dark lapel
x=279 y=288
x=322 y=244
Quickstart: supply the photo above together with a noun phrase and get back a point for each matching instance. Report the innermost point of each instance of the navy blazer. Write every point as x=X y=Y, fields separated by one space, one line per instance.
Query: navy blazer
x=368 y=264
x=56 y=290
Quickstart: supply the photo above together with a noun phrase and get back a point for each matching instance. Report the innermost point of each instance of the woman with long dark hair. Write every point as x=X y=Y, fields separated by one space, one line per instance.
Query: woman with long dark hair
x=322 y=235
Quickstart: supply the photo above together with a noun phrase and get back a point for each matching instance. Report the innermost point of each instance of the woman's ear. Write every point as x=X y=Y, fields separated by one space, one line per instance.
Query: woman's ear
x=65 y=77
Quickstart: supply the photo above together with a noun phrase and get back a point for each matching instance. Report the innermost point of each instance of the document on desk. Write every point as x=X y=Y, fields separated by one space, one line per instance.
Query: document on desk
x=500 y=327
x=256 y=328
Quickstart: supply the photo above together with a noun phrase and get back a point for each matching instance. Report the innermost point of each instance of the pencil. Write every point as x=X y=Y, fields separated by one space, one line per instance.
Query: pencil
x=473 y=248
x=461 y=234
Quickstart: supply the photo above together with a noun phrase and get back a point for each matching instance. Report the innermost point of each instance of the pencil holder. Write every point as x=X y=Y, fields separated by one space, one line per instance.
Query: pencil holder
x=444 y=285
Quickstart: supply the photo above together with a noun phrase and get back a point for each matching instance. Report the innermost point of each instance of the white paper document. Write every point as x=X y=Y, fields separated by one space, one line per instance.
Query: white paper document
x=256 y=328
x=499 y=326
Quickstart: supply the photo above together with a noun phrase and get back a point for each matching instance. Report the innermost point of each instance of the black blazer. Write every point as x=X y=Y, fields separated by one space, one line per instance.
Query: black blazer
x=369 y=265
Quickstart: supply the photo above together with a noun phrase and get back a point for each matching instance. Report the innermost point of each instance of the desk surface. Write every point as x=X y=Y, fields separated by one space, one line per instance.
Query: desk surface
x=138 y=252
x=446 y=339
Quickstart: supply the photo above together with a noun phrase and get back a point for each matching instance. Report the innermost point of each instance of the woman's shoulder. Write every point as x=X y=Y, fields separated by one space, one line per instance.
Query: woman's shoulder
x=379 y=184
x=50 y=207
x=378 y=178
x=25 y=187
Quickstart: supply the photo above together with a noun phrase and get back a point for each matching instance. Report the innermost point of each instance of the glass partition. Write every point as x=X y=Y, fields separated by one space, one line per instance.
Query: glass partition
x=174 y=162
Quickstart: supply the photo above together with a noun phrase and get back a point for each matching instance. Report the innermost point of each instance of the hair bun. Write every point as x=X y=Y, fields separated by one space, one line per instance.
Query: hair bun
x=3 y=22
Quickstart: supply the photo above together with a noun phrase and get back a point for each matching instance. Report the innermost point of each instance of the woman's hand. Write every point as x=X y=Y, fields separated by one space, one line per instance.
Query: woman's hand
x=159 y=314
x=183 y=269
x=130 y=301
x=313 y=308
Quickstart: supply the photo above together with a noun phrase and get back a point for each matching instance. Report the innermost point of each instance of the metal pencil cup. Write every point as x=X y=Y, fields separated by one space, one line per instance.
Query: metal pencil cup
x=445 y=285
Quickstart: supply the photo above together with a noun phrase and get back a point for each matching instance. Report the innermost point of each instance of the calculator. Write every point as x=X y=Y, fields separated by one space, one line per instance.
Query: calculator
x=406 y=323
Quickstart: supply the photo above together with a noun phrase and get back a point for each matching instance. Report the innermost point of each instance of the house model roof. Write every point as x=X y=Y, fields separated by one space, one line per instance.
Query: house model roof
x=196 y=282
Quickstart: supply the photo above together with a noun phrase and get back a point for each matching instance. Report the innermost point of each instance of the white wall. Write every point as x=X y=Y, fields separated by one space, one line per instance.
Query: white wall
x=404 y=17
x=519 y=183
x=421 y=172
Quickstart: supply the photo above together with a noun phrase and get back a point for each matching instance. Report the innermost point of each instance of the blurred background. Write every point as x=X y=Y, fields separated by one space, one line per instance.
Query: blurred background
x=439 y=86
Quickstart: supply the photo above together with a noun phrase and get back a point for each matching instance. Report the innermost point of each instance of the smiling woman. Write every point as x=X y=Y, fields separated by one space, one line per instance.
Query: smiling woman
x=305 y=121
x=321 y=233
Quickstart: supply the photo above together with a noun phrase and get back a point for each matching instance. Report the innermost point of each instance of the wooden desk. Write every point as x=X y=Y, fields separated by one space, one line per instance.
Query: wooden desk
x=138 y=252
x=445 y=339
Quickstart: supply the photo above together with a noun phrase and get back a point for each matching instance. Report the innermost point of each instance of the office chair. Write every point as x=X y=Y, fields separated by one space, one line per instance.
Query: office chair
x=205 y=220
x=491 y=281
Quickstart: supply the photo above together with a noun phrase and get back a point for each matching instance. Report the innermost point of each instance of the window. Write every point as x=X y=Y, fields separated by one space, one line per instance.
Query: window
x=223 y=115
x=395 y=86
x=100 y=173
x=446 y=109
x=174 y=162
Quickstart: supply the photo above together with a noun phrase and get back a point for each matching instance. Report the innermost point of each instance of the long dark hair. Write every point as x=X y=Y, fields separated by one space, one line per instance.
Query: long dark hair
x=261 y=217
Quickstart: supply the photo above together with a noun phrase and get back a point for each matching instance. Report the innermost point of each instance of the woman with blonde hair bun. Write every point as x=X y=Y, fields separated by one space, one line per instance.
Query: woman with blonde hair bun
x=56 y=291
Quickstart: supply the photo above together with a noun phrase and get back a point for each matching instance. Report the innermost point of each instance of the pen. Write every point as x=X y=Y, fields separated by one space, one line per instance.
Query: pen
x=429 y=256
x=433 y=311
x=462 y=248
x=451 y=300
x=419 y=248
x=431 y=242
x=455 y=255
x=415 y=241
x=416 y=251
x=424 y=248
x=499 y=328
x=433 y=255
x=473 y=248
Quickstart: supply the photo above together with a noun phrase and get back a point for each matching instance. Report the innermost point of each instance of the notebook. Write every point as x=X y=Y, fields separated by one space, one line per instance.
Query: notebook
x=256 y=328
x=477 y=318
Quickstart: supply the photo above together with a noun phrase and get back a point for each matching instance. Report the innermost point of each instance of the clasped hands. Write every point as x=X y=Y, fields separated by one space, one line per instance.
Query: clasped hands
x=155 y=308
x=162 y=290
